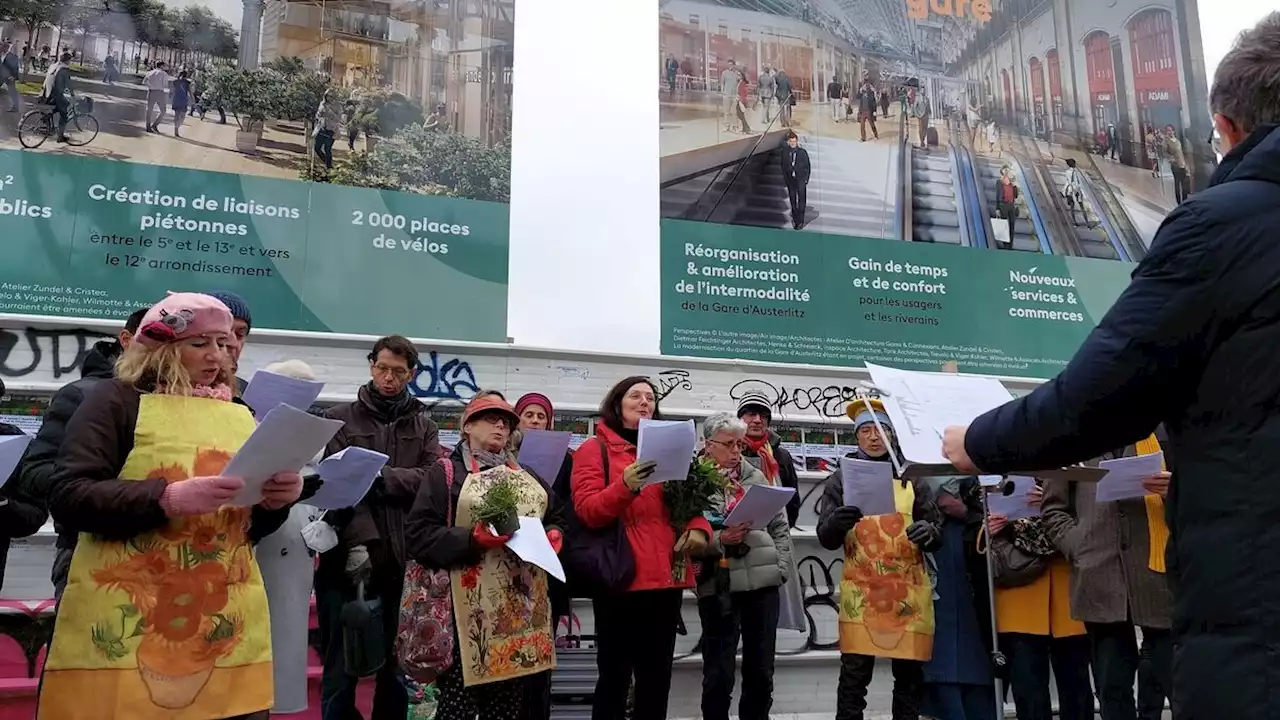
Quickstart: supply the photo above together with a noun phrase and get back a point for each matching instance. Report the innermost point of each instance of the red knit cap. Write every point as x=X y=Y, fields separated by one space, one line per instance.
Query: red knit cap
x=535 y=399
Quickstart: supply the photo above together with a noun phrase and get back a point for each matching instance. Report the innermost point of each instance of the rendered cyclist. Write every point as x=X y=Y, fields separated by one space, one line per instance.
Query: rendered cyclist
x=57 y=85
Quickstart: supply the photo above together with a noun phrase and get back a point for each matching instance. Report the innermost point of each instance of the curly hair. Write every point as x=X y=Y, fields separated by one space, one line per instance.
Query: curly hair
x=148 y=369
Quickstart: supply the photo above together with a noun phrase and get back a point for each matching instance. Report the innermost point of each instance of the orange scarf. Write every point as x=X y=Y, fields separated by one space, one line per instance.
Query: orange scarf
x=1157 y=530
x=764 y=450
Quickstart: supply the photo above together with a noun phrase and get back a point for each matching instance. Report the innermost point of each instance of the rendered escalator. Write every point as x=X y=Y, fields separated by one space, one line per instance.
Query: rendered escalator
x=1093 y=235
x=936 y=210
x=1025 y=238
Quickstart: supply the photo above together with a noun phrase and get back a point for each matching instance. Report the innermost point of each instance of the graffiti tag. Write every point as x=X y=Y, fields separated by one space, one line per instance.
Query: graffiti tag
x=454 y=380
x=66 y=351
x=671 y=380
x=828 y=401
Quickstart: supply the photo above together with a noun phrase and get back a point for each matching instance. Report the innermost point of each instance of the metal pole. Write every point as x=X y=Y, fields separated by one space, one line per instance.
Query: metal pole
x=998 y=659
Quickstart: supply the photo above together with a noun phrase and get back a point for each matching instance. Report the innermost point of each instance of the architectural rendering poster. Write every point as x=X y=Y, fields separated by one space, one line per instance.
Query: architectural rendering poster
x=1027 y=149
x=324 y=159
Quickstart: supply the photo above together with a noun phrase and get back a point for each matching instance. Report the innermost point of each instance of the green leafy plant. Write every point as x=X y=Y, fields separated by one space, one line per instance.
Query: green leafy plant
x=689 y=499
x=431 y=162
x=250 y=95
x=499 y=507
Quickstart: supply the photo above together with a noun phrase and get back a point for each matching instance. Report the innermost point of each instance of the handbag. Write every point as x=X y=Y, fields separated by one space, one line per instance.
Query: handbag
x=425 y=633
x=1000 y=231
x=364 y=650
x=597 y=561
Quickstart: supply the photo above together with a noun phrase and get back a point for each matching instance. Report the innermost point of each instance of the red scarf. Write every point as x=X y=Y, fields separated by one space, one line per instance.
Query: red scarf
x=768 y=465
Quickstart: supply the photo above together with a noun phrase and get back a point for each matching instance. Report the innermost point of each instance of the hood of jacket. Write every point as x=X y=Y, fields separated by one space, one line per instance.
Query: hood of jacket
x=100 y=361
x=1257 y=158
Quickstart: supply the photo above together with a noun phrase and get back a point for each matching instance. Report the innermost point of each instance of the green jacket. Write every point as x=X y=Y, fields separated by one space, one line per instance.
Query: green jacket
x=767 y=562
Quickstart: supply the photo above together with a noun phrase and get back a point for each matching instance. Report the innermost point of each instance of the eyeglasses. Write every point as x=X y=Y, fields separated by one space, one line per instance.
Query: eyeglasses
x=733 y=445
x=396 y=372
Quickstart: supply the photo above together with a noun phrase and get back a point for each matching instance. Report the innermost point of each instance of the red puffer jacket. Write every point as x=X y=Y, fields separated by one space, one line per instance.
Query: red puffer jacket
x=647 y=522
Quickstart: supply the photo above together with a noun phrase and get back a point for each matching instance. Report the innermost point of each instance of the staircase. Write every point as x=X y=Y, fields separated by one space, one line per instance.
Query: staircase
x=935 y=214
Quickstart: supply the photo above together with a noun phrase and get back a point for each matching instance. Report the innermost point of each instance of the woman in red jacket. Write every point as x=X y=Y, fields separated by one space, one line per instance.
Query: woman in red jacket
x=636 y=628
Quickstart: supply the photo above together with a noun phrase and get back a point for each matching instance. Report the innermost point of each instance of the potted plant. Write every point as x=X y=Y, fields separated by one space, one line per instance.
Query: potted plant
x=383 y=113
x=498 y=507
x=250 y=95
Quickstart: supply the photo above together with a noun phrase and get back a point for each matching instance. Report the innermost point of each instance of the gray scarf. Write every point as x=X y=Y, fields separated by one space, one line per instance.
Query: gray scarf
x=485 y=459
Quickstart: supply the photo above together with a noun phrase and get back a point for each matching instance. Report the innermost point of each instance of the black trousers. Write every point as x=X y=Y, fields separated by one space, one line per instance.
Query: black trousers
x=1181 y=184
x=337 y=688
x=1115 y=665
x=753 y=618
x=798 y=195
x=1151 y=695
x=635 y=634
x=855 y=676
x=1030 y=658
x=502 y=700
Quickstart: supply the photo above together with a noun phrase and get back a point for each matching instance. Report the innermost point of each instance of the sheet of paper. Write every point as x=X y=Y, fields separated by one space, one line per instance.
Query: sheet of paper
x=868 y=486
x=759 y=505
x=543 y=451
x=267 y=390
x=11 y=449
x=670 y=444
x=348 y=474
x=1014 y=505
x=1124 y=477
x=530 y=543
x=922 y=404
x=286 y=439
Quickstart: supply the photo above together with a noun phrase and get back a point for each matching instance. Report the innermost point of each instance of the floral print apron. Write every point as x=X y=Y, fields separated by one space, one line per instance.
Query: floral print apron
x=171 y=624
x=500 y=606
x=886 y=599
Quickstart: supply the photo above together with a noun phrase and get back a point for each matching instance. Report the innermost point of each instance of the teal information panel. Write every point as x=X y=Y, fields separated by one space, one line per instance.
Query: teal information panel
x=88 y=237
x=762 y=294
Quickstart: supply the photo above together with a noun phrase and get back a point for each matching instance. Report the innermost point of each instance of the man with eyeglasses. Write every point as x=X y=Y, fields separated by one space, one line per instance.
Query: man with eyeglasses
x=386 y=418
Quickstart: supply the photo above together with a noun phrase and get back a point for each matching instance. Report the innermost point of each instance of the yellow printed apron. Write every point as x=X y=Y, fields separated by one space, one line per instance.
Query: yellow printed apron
x=886 y=599
x=171 y=624
x=500 y=606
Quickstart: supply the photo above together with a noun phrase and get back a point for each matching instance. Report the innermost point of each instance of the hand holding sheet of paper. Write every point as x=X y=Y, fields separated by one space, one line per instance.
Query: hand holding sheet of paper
x=1123 y=480
x=868 y=486
x=1016 y=504
x=12 y=448
x=268 y=390
x=668 y=443
x=531 y=545
x=285 y=440
x=347 y=474
x=543 y=452
x=759 y=505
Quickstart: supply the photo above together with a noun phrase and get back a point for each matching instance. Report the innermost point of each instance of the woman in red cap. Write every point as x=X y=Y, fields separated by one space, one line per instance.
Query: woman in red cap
x=501 y=609
x=535 y=412
x=635 y=625
x=164 y=613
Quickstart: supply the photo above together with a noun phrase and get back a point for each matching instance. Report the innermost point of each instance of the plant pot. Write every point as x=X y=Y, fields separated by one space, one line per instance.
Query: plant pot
x=370 y=142
x=247 y=141
x=167 y=689
x=507 y=525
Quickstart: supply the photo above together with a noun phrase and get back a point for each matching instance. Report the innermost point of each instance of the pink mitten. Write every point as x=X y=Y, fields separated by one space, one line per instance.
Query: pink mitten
x=281 y=490
x=200 y=495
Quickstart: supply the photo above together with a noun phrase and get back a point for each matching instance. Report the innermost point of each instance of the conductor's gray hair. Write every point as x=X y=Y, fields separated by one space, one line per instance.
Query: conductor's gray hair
x=722 y=422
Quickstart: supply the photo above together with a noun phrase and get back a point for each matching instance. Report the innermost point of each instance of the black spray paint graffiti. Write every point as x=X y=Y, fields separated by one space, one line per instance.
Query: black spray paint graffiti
x=829 y=401
x=669 y=381
x=453 y=380
x=66 y=351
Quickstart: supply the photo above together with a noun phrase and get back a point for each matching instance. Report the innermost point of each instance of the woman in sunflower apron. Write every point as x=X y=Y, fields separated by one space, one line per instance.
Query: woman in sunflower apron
x=501 y=609
x=886 y=599
x=164 y=615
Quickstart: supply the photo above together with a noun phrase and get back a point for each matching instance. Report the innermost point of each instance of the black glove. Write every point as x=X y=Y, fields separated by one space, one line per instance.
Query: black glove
x=843 y=519
x=922 y=533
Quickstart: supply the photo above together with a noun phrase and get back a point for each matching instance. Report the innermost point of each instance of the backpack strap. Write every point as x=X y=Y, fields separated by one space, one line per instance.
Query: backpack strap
x=447 y=464
x=604 y=461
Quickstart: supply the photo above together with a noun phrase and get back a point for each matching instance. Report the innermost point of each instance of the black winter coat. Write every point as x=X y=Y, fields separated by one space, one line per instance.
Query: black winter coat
x=36 y=479
x=431 y=541
x=20 y=515
x=1192 y=342
x=831 y=537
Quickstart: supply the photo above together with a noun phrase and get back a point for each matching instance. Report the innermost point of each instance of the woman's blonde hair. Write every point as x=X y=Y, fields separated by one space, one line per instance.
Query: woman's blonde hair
x=161 y=367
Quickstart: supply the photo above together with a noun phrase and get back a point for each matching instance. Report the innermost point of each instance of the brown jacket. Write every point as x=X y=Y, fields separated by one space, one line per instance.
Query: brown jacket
x=87 y=493
x=1109 y=549
x=411 y=441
